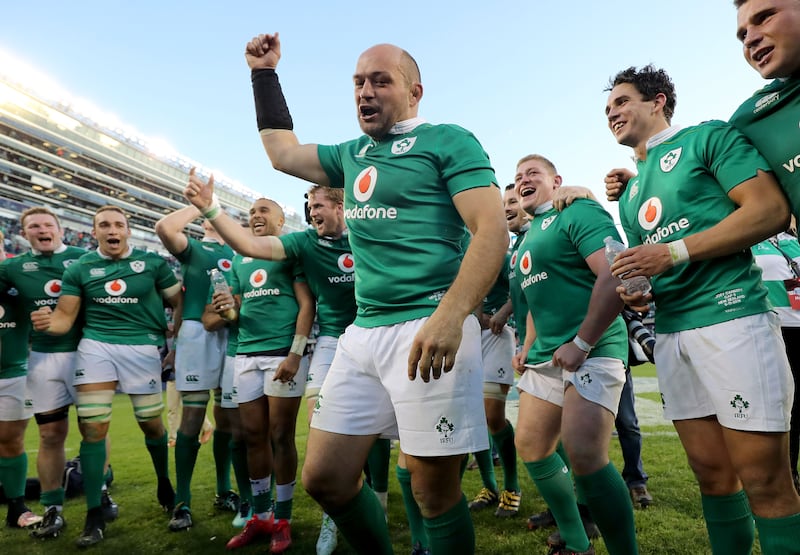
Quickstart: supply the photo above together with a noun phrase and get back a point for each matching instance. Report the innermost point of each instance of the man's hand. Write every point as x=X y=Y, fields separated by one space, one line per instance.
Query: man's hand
x=569 y=357
x=518 y=362
x=636 y=301
x=642 y=260
x=42 y=318
x=224 y=304
x=169 y=361
x=287 y=369
x=497 y=323
x=434 y=348
x=199 y=192
x=263 y=52
x=616 y=181
x=564 y=196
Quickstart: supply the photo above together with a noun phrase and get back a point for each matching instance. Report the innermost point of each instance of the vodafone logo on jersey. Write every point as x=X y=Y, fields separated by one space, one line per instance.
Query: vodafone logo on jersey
x=116 y=288
x=525 y=263
x=364 y=185
x=513 y=261
x=258 y=278
x=346 y=263
x=53 y=288
x=650 y=213
x=224 y=264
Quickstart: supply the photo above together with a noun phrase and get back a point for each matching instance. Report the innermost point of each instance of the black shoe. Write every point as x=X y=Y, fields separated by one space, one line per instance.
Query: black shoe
x=93 y=530
x=19 y=515
x=166 y=495
x=181 y=518
x=110 y=509
x=228 y=501
x=542 y=520
x=51 y=526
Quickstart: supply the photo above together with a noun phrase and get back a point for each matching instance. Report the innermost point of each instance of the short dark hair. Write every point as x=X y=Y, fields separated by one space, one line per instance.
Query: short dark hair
x=649 y=81
x=510 y=186
x=739 y=3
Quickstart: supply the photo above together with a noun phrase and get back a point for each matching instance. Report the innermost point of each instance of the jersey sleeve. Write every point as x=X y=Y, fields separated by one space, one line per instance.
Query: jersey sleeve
x=463 y=162
x=5 y=278
x=71 y=280
x=730 y=157
x=589 y=225
x=330 y=158
x=292 y=244
x=186 y=254
x=165 y=278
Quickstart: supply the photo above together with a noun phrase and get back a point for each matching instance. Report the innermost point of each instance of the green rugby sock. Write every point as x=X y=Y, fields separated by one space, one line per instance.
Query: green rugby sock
x=239 y=462
x=186 y=448
x=779 y=536
x=378 y=463
x=552 y=479
x=93 y=459
x=363 y=523
x=13 y=472
x=159 y=454
x=486 y=467
x=729 y=522
x=415 y=524
x=610 y=504
x=452 y=532
x=504 y=439
x=221 y=447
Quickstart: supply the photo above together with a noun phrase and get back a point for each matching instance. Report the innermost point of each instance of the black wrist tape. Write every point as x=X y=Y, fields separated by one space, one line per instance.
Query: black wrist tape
x=271 y=109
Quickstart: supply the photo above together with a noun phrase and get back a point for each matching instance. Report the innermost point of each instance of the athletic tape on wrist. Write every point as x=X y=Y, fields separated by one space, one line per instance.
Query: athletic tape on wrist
x=678 y=252
x=299 y=345
x=271 y=109
x=213 y=210
x=582 y=345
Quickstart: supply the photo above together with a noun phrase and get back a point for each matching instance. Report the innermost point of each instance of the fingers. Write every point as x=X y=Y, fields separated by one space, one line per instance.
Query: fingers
x=413 y=361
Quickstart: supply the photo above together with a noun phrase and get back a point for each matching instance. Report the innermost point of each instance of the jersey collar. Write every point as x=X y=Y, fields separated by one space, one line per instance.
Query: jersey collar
x=59 y=250
x=542 y=208
x=105 y=257
x=406 y=126
x=662 y=136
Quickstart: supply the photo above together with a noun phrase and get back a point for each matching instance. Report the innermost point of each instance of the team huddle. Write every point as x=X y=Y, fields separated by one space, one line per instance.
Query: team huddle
x=395 y=328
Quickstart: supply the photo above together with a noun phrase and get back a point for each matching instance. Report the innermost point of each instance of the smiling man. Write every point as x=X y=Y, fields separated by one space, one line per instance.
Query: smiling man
x=575 y=362
x=122 y=292
x=722 y=368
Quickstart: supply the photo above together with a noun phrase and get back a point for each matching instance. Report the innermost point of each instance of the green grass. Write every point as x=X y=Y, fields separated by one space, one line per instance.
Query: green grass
x=673 y=525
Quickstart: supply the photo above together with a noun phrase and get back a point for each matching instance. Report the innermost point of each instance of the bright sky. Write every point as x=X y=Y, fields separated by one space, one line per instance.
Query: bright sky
x=524 y=77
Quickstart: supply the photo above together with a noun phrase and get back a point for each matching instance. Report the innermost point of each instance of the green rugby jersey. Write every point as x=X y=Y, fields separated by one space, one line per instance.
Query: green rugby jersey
x=197 y=260
x=15 y=326
x=121 y=299
x=328 y=266
x=770 y=120
x=37 y=278
x=498 y=294
x=268 y=315
x=405 y=231
x=518 y=302
x=682 y=189
x=557 y=283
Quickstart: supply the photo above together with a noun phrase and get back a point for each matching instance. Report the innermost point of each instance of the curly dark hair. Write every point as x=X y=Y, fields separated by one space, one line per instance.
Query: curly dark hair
x=649 y=81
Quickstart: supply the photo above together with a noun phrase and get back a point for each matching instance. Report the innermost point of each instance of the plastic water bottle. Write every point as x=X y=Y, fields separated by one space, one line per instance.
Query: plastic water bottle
x=634 y=284
x=221 y=286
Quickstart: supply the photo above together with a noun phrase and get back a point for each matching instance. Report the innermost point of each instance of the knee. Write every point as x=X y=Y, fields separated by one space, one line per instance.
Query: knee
x=319 y=485
x=52 y=434
x=714 y=477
